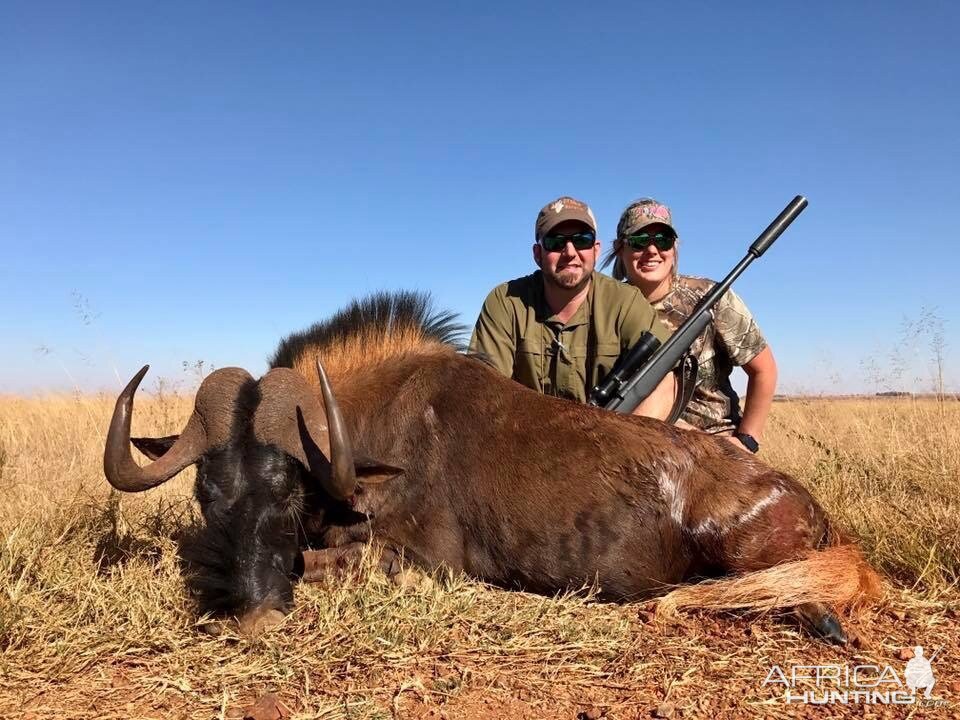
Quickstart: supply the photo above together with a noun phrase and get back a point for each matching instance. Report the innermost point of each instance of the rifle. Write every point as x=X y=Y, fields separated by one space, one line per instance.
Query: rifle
x=648 y=362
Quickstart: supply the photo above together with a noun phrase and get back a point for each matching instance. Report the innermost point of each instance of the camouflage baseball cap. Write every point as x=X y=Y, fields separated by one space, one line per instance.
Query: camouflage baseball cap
x=561 y=210
x=643 y=212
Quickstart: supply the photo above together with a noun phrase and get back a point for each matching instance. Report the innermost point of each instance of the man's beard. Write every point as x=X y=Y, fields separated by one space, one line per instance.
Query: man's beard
x=567 y=280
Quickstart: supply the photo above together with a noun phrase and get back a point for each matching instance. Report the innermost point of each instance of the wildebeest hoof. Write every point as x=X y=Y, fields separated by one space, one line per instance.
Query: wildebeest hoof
x=823 y=622
x=260 y=620
x=408 y=579
x=829 y=628
x=213 y=628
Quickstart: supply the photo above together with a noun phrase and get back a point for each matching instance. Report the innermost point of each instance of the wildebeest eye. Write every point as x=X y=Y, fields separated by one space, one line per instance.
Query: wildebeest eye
x=283 y=562
x=219 y=478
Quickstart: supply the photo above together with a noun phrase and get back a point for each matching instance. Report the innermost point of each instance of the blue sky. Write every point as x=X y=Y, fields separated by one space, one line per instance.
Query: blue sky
x=191 y=181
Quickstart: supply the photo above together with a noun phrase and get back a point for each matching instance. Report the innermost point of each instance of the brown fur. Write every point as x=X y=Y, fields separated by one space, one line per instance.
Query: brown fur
x=551 y=493
x=457 y=466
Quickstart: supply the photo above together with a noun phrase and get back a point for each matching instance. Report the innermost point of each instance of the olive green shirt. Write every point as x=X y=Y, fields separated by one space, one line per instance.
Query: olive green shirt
x=523 y=339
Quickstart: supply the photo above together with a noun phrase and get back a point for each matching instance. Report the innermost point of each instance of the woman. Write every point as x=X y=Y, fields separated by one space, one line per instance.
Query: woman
x=645 y=254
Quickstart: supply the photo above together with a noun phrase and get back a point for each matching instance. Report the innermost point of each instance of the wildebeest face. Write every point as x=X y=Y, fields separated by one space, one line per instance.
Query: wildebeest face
x=246 y=555
x=256 y=444
x=250 y=496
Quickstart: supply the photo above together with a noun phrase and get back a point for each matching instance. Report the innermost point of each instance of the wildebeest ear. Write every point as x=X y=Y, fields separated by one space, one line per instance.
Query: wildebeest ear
x=372 y=472
x=154 y=447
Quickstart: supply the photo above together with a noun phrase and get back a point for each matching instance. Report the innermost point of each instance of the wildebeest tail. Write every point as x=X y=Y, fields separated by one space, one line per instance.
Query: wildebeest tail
x=837 y=576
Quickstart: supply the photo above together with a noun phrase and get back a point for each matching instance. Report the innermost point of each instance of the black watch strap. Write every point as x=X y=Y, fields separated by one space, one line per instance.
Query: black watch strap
x=748 y=441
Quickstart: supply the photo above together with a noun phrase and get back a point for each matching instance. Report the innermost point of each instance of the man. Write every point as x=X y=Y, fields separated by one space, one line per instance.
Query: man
x=560 y=330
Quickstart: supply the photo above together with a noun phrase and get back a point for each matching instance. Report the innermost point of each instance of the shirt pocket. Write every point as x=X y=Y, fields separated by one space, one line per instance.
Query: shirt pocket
x=607 y=355
x=530 y=365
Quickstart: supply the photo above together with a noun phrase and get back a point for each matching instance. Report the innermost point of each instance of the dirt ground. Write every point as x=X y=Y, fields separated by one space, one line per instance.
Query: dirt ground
x=716 y=667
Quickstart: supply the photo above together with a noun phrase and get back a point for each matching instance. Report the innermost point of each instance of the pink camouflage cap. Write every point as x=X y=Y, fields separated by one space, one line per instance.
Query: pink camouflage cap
x=643 y=212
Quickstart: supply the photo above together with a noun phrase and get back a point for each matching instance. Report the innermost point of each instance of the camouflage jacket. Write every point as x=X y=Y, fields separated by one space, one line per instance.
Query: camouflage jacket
x=732 y=339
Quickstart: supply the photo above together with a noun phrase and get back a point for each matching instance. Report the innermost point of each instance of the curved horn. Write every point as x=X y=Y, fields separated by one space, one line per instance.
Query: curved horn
x=118 y=464
x=292 y=417
x=341 y=451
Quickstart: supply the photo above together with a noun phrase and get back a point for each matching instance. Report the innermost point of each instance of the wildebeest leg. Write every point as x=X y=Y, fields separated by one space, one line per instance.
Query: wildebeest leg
x=318 y=564
x=782 y=526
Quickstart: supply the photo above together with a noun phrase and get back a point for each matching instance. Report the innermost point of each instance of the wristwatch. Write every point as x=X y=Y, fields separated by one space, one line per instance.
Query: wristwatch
x=748 y=441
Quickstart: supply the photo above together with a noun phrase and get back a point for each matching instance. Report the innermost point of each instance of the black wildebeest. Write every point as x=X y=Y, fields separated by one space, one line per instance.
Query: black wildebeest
x=436 y=456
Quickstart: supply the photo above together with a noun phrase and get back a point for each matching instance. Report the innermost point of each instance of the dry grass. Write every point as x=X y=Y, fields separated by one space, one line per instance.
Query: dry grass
x=889 y=471
x=95 y=620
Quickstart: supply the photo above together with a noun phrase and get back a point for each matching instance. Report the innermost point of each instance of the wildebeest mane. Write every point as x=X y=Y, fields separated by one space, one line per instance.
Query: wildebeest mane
x=375 y=327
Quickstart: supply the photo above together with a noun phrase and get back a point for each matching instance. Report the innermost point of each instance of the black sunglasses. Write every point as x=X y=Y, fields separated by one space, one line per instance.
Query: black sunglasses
x=556 y=242
x=661 y=241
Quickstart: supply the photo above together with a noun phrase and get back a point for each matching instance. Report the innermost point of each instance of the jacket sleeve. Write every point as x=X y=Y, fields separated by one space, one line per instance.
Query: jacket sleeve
x=737 y=329
x=494 y=334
